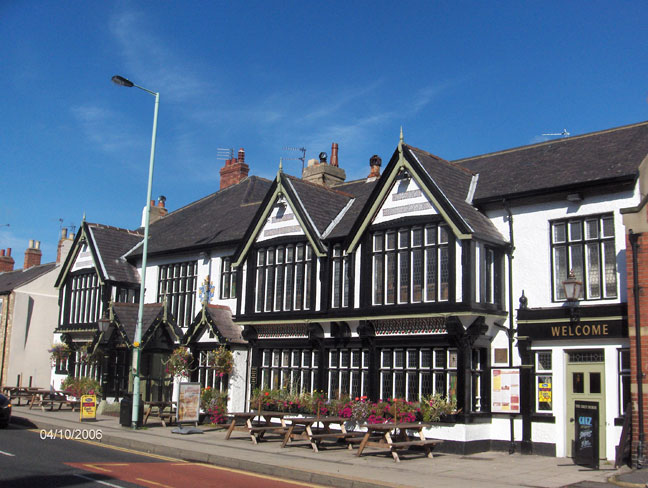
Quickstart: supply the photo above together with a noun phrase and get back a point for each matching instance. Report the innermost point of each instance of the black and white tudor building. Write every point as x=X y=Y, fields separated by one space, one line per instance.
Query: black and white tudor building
x=433 y=276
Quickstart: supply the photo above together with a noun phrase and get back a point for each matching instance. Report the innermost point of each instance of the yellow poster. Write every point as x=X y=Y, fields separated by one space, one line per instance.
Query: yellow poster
x=88 y=407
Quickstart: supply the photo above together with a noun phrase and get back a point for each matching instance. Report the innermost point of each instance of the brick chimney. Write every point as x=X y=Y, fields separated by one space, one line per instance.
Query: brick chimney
x=323 y=173
x=374 y=163
x=64 y=245
x=6 y=261
x=33 y=255
x=157 y=211
x=234 y=171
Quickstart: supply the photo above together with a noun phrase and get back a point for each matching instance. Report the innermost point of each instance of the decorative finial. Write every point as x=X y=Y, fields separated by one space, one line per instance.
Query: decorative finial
x=524 y=301
x=280 y=170
x=401 y=134
x=83 y=219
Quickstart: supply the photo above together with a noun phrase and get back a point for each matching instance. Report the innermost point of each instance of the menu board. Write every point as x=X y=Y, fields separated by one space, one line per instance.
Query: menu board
x=189 y=402
x=586 y=435
x=505 y=394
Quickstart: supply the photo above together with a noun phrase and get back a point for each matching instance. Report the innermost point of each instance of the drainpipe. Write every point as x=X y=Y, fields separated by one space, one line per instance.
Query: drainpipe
x=510 y=330
x=4 y=343
x=637 y=310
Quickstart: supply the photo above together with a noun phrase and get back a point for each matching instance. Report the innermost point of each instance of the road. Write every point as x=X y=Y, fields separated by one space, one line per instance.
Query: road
x=32 y=458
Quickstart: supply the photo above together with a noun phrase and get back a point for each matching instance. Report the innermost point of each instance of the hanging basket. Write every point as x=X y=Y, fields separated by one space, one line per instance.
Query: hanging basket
x=221 y=361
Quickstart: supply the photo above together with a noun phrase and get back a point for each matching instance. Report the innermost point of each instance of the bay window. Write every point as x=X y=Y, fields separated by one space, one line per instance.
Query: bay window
x=177 y=283
x=283 y=278
x=411 y=265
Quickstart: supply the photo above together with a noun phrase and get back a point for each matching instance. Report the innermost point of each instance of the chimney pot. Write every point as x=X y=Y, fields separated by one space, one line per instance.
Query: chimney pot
x=31 y=243
x=334 y=154
x=8 y=251
x=241 y=155
x=32 y=255
x=2 y=251
x=234 y=171
x=375 y=162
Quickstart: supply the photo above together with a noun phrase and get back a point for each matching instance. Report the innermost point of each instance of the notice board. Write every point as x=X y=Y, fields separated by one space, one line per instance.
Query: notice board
x=189 y=402
x=505 y=394
x=586 y=435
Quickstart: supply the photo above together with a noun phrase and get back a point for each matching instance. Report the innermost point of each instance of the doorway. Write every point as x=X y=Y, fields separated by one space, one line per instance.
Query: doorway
x=585 y=380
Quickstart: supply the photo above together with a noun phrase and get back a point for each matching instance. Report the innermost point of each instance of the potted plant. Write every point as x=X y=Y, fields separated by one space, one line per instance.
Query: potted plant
x=59 y=352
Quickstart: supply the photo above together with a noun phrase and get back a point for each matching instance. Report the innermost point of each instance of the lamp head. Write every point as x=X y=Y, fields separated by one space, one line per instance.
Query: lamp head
x=572 y=287
x=121 y=81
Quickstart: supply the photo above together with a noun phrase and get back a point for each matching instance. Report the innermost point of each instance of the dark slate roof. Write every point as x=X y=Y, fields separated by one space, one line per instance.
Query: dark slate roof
x=597 y=157
x=321 y=203
x=219 y=218
x=112 y=244
x=361 y=190
x=126 y=315
x=10 y=280
x=454 y=182
x=222 y=318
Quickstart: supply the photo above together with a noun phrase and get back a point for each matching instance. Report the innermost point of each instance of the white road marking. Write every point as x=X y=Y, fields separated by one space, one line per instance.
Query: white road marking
x=7 y=454
x=98 y=481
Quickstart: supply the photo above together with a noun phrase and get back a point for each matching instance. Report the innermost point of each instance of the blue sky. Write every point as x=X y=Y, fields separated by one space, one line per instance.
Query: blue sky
x=461 y=78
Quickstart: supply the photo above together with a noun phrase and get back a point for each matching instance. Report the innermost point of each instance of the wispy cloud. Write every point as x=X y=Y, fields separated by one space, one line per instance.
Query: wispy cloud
x=148 y=58
x=100 y=126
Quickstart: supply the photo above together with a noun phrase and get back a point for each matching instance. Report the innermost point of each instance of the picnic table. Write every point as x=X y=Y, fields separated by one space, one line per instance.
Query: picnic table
x=394 y=436
x=244 y=421
x=161 y=411
x=42 y=398
x=19 y=392
x=307 y=428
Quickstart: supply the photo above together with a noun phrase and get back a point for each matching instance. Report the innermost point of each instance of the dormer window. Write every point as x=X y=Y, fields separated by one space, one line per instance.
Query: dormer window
x=410 y=265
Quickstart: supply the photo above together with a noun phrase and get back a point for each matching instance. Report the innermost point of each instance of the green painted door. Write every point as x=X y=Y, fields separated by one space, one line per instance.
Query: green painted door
x=585 y=381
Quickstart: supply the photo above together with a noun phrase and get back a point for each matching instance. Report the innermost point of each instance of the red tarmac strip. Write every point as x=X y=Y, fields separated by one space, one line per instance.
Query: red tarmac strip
x=182 y=475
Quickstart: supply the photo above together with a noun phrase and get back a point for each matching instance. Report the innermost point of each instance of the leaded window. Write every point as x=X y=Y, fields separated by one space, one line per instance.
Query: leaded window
x=348 y=373
x=292 y=369
x=341 y=278
x=177 y=283
x=411 y=373
x=228 y=279
x=544 y=381
x=85 y=298
x=208 y=377
x=586 y=246
x=411 y=265
x=283 y=278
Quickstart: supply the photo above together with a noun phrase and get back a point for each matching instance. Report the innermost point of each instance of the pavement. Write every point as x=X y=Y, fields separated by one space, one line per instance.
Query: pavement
x=337 y=466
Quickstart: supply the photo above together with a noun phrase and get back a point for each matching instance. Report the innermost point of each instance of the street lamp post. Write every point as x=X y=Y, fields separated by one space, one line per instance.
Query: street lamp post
x=137 y=351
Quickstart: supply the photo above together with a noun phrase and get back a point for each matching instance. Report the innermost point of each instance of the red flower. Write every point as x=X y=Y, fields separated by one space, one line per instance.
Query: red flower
x=266 y=393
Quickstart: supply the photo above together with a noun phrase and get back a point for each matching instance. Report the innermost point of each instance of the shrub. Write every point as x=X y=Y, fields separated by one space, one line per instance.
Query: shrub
x=81 y=386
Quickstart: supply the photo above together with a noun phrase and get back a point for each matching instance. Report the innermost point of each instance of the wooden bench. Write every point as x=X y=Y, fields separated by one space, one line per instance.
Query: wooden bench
x=53 y=399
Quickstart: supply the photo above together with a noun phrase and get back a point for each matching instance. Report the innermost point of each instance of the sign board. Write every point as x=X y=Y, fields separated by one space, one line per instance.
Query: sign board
x=505 y=394
x=188 y=403
x=586 y=443
x=88 y=407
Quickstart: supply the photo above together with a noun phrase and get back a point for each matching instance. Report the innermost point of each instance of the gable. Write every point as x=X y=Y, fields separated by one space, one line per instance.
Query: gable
x=404 y=199
x=280 y=222
x=84 y=258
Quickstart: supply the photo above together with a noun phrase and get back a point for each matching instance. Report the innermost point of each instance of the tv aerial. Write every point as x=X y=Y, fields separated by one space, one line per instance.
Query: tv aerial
x=224 y=153
x=302 y=158
x=564 y=133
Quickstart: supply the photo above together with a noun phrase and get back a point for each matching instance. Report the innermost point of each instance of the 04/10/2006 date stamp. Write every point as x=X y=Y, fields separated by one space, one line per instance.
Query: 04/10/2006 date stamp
x=72 y=434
